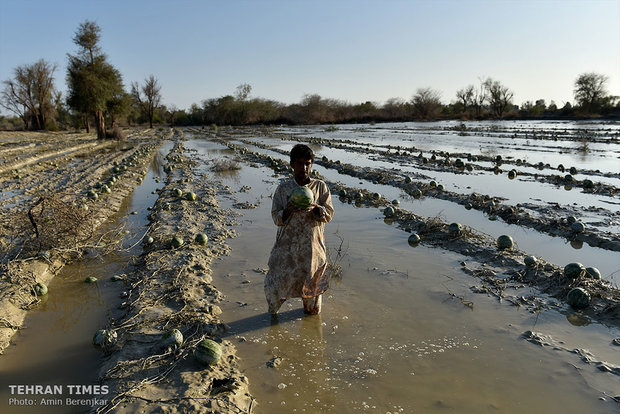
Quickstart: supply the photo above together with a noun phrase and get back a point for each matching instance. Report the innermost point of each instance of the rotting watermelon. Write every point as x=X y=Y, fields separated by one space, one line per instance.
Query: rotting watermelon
x=301 y=197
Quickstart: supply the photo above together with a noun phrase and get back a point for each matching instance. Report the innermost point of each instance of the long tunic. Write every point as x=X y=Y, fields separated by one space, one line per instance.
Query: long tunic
x=298 y=261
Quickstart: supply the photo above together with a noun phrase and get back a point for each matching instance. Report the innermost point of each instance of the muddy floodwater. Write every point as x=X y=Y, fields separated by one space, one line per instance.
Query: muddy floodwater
x=404 y=328
x=394 y=335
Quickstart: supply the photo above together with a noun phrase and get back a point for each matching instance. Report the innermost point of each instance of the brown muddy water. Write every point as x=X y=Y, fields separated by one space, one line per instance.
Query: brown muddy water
x=56 y=347
x=395 y=335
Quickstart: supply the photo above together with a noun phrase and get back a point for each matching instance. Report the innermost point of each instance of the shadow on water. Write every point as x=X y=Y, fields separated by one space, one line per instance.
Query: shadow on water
x=262 y=321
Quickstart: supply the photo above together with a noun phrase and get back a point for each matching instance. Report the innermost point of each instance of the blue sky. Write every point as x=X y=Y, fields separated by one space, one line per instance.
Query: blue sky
x=355 y=51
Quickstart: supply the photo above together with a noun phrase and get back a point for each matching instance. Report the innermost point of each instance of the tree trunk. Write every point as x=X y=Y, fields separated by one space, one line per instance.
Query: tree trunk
x=100 y=124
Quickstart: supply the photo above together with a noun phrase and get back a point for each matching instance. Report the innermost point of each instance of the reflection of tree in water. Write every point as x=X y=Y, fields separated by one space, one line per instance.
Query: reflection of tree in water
x=304 y=371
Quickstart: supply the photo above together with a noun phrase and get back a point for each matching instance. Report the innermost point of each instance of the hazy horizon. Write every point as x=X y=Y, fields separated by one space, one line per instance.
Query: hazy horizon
x=354 y=51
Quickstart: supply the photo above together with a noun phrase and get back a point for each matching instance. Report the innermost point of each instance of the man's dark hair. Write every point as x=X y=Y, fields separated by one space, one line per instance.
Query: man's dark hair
x=301 y=151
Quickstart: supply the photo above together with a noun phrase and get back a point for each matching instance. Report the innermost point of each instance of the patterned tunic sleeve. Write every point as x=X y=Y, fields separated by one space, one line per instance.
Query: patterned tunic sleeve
x=278 y=205
x=325 y=201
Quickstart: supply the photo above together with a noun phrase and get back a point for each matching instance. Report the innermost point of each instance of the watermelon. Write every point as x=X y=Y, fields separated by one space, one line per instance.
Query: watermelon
x=104 y=338
x=301 y=197
x=201 y=239
x=573 y=170
x=593 y=273
x=578 y=298
x=468 y=206
x=388 y=212
x=177 y=192
x=433 y=183
x=395 y=202
x=208 y=352
x=416 y=193
x=342 y=193
x=571 y=219
x=40 y=289
x=588 y=184
x=512 y=174
x=530 y=261
x=92 y=194
x=574 y=270
x=504 y=242
x=408 y=180
x=176 y=242
x=376 y=196
x=454 y=228
x=190 y=196
x=578 y=227
x=413 y=239
x=148 y=240
x=441 y=187
x=90 y=279
x=172 y=339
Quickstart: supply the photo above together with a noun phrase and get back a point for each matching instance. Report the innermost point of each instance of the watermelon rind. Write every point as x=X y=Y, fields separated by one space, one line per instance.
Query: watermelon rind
x=302 y=197
x=578 y=298
x=208 y=352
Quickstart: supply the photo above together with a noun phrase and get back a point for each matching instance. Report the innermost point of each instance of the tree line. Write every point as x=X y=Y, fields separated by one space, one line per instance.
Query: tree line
x=96 y=95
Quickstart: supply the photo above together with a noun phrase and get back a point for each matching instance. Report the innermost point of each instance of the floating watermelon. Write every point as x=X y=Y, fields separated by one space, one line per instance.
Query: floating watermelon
x=90 y=279
x=190 y=196
x=208 y=352
x=177 y=192
x=504 y=242
x=588 y=184
x=578 y=298
x=302 y=197
x=388 y=212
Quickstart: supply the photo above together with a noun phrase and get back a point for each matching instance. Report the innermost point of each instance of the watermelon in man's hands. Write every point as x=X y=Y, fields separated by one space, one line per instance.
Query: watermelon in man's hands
x=301 y=197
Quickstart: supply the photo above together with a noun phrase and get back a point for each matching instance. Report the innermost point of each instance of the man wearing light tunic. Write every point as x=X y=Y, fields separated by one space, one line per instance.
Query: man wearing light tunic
x=298 y=260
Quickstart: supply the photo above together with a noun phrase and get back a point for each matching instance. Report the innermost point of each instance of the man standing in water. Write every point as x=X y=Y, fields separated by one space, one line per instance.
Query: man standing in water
x=298 y=261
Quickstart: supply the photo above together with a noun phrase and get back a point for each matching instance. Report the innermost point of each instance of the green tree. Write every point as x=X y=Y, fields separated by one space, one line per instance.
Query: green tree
x=30 y=94
x=147 y=97
x=91 y=80
x=591 y=91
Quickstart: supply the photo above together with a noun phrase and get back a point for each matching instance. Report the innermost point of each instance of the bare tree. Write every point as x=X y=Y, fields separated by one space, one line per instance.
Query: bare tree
x=426 y=102
x=498 y=95
x=30 y=93
x=148 y=103
x=243 y=91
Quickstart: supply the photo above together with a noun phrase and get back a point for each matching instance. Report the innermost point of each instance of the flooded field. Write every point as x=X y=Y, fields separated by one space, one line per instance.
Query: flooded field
x=449 y=324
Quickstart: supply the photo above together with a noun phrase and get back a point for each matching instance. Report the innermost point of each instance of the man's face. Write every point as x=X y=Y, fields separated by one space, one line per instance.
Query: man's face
x=302 y=168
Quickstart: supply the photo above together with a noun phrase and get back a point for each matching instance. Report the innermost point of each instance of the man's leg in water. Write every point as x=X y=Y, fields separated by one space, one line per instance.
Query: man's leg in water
x=312 y=306
x=274 y=302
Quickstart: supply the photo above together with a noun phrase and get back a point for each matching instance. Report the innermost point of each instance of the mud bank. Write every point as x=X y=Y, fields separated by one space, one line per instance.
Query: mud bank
x=171 y=289
x=49 y=217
